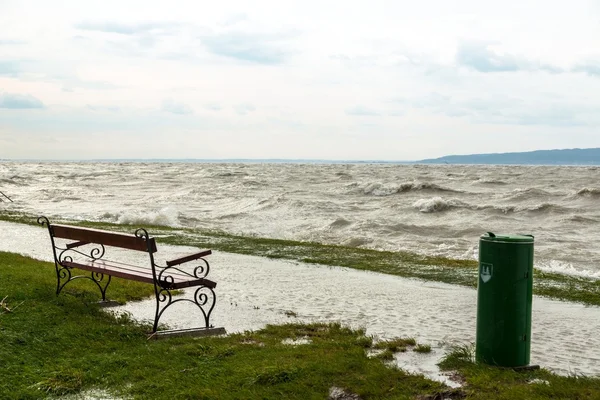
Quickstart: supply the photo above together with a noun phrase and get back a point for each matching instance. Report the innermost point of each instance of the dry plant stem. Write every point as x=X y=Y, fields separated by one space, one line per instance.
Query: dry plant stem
x=5 y=308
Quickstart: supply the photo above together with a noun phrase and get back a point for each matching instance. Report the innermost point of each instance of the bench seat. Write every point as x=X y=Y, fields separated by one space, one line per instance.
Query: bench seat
x=140 y=274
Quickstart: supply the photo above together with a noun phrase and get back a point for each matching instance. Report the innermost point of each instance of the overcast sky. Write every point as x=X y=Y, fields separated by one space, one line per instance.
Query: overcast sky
x=387 y=80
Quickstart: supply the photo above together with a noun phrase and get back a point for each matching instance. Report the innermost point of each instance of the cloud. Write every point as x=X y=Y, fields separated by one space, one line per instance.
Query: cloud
x=357 y=60
x=127 y=29
x=11 y=42
x=212 y=106
x=171 y=106
x=39 y=70
x=592 y=69
x=148 y=40
x=244 y=108
x=103 y=108
x=362 y=111
x=234 y=19
x=19 y=101
x=253 y=48
x=504 y=110
x=480 y=57
x=10 y=68
x=151 y=40
x=131 y=39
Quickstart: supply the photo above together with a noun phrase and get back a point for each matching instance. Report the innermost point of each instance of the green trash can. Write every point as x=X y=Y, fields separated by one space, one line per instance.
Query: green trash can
x=504 y=297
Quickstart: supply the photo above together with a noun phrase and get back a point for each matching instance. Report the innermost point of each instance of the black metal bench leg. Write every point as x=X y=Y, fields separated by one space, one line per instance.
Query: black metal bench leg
x=63 y=276
x=163 y=296
x=204 y=298
x=98 y=279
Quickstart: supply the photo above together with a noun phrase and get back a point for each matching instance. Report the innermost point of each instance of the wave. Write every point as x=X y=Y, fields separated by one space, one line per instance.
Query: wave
x=484 y=181
x=529 y=193
x=580 y=219
x=537 y=208
x=251 y=182
x=66 y=198
x=545 y=207
x=343 y=175
x=167 y=216
x=357 y=242
x=445 y=231
x=588 y=192
x=379 y=189
x=229 y=174
x=14 y=180
x=340 y=223
x=566 y=268
x=437 y=204
x=85 y=175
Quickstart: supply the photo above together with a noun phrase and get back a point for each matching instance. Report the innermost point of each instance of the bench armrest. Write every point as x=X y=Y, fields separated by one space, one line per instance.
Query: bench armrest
x=191 y=257
x=76 y=244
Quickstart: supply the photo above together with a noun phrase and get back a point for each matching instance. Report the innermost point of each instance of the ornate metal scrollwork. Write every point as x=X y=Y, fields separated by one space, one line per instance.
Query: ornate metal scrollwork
x=204 y=298
x=199 y=272
x=94 y=253
x=98 y=278
x=63 y=272
x=43 y=221
x=142 y=233
x=63 y=255
x=64 y=276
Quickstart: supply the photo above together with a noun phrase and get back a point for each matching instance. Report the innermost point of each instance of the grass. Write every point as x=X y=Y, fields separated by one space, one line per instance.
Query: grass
x=395 y=345
x=481 y=380
x=400 y=263
x=422 y=348
x=399 y=345
x=66 y=345
x=54 y=346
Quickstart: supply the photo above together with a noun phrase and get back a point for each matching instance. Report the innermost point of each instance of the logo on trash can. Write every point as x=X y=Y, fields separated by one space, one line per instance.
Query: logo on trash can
x=486 y=272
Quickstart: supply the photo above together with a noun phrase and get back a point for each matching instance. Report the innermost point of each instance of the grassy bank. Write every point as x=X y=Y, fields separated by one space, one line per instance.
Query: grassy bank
x=400 y=263
x=55 y=346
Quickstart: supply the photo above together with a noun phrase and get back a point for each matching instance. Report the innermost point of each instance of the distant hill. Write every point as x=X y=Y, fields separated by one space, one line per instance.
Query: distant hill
x=538 y=157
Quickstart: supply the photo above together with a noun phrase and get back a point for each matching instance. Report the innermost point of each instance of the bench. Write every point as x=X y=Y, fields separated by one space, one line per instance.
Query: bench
x=85 y=249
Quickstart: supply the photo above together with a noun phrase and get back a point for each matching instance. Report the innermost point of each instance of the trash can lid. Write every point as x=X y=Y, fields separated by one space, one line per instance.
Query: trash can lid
x=491 y=237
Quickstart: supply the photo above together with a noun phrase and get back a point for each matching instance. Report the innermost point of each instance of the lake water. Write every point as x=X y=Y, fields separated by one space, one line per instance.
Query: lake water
x=429 y=209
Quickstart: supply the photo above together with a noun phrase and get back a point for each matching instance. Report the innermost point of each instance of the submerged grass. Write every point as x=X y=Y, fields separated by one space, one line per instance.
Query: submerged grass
x=66 y=345
x=400 y=263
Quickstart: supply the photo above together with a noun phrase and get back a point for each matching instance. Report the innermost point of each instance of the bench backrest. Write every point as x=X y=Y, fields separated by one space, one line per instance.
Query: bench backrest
x=122 y=240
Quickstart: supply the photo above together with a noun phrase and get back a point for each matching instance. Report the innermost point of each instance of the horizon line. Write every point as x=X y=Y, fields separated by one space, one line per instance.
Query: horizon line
x=215 y=160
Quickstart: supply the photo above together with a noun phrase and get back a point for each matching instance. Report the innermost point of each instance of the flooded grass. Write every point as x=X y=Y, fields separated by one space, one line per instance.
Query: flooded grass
x=422 y=348
x=399 y=263
x=67 y=346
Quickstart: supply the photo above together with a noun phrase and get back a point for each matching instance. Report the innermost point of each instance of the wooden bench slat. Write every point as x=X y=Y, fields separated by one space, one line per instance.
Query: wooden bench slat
x=191 y=257
x=76 y=244
x=138 y=274
x=107 y=238
x=144 y=271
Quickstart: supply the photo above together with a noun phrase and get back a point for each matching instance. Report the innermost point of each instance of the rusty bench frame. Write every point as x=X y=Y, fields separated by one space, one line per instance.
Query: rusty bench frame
x=164 y=278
